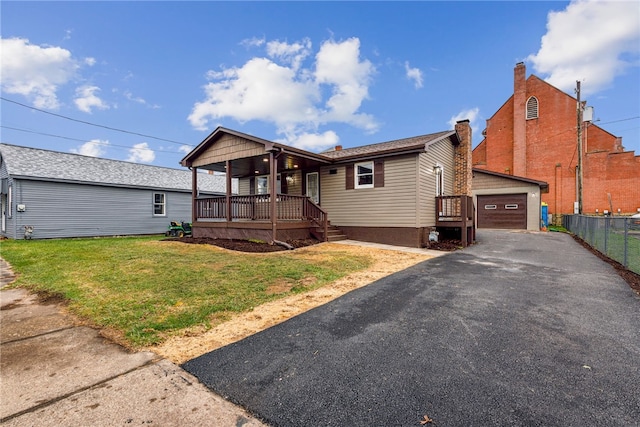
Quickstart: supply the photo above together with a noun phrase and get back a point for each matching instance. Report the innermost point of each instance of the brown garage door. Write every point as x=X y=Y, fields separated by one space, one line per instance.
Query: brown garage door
x=502 y=211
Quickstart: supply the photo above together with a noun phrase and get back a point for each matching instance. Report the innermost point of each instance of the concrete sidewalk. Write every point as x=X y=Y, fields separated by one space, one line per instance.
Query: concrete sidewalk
x=55 y=373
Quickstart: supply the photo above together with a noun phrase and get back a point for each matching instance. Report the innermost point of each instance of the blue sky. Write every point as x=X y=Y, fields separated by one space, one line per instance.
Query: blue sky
x=309 y=74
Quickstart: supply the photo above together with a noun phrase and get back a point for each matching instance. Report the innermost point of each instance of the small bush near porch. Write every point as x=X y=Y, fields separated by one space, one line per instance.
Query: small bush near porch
x=143 y=289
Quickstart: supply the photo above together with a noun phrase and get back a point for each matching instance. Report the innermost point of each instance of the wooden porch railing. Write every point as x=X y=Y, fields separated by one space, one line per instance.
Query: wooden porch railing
x=454 y=208
x=258 y=208
x=457 y=212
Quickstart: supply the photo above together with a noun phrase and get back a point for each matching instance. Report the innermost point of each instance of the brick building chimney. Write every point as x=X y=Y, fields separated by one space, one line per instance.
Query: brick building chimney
x=519 y=120
x=462 y=160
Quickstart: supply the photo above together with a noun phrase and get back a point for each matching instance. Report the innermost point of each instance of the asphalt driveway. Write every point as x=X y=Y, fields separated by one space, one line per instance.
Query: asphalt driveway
x=522 y=329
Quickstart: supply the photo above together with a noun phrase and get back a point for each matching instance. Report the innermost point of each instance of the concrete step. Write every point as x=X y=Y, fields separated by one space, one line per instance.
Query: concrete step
x=336 y=237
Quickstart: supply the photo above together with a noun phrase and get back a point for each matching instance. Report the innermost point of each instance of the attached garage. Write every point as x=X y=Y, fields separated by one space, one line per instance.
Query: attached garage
x=502 y=211
x=507 y=201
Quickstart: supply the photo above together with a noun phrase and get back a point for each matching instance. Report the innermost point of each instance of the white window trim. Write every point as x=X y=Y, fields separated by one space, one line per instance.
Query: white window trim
x=163 y=204
x=9 y=207
x=438 y=171
x=356 y=175
x=532 y=108
x=278 y=184
x=315 y=199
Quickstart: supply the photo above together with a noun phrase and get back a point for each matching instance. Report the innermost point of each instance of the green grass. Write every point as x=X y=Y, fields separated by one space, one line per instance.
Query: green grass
x=147 y=289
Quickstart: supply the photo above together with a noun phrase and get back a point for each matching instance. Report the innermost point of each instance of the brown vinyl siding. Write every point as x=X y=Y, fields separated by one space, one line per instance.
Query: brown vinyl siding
x=244 y=186
x=295 y=188
x=229 y=147
x=483 y=181
x=393 y=205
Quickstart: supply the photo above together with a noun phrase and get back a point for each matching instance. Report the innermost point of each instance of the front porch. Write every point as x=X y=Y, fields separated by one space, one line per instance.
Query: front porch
x=287 y=217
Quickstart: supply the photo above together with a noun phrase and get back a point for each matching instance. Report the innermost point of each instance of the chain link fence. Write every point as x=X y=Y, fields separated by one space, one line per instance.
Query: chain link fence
x=616 y=237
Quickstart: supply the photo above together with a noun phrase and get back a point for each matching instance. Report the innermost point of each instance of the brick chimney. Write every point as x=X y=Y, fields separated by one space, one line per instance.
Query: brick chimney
x=338 y=148
x=519 y=120
x=462 y=160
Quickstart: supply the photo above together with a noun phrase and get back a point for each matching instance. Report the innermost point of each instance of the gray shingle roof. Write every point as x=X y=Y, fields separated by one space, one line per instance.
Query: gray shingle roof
x=35 y=163
x=389 y=146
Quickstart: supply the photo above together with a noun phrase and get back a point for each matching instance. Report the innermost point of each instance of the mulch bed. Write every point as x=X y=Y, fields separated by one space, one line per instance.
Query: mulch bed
x=253 y=246
x=244 y=245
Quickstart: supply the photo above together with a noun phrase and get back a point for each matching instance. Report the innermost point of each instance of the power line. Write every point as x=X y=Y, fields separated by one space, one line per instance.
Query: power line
x=92 y=124
x=621 y=120
x=83 y=140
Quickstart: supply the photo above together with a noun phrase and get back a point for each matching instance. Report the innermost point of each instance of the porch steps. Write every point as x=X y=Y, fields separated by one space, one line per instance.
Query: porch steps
x=333 y=233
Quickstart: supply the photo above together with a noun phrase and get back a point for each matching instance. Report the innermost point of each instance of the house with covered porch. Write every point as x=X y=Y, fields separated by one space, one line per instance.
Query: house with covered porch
x=397 y=192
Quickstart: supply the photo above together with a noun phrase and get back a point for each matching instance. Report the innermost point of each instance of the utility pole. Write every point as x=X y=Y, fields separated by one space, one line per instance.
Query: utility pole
x=579 y=129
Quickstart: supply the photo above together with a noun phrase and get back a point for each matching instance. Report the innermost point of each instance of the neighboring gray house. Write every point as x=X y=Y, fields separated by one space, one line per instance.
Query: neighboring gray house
x=70 y=195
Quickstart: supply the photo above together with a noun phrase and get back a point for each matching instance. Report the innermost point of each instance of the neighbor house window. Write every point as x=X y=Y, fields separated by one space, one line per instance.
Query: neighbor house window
x=364 y=175
x=159 y=204
x=532 y=108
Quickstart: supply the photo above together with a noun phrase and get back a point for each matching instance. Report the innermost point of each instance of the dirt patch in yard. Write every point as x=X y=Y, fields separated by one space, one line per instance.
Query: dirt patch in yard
x=197 y=341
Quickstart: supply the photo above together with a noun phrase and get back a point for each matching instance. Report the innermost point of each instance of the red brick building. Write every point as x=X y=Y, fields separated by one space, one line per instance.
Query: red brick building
x=535 y=135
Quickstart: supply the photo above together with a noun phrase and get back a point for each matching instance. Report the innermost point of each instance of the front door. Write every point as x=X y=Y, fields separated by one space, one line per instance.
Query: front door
x=313 y=187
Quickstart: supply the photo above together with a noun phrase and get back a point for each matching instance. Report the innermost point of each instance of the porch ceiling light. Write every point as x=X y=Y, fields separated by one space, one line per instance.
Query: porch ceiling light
x=265 y=160
x=257 y=172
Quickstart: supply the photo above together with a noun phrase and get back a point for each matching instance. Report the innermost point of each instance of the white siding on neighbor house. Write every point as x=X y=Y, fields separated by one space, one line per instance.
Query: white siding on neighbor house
x=439 y=153
x=58 y=210
x=393 y=205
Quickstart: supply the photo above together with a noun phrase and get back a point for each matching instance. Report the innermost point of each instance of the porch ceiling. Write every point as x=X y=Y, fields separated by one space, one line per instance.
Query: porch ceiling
x=259 y=165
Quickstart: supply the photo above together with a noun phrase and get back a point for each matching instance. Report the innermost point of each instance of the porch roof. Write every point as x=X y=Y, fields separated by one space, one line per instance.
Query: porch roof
x=255 y=161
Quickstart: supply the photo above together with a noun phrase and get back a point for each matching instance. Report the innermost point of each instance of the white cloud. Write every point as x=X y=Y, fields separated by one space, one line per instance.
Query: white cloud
x=90 y=61
x=292 y=54
x=185 y=148
x=86 y=99
x=316 y=142
x=414 y=74
x=591 y=41
x=93 y=148
x=35 y=72
x=279 y=89
x=473 y=115
x=141 y=153
x=253 y=42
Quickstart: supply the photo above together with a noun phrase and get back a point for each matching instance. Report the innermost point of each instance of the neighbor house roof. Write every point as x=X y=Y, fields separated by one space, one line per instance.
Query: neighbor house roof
x=47 y=165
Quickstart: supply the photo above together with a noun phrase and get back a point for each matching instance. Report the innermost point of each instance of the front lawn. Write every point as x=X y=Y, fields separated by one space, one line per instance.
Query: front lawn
x=146 y=288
